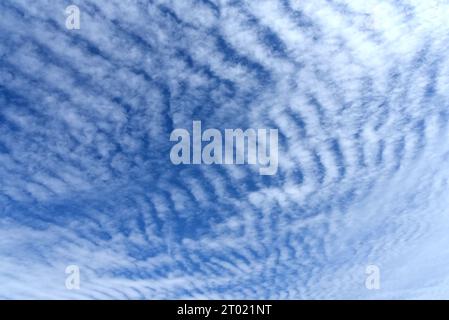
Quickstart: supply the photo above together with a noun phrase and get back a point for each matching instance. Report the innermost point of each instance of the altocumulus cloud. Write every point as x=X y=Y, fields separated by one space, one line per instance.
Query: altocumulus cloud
x=358 y=90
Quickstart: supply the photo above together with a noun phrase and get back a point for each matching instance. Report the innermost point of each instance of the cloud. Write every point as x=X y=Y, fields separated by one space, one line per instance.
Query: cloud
x=358 y=91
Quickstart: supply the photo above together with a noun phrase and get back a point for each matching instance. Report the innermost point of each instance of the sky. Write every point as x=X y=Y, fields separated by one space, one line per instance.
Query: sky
x=357 y=89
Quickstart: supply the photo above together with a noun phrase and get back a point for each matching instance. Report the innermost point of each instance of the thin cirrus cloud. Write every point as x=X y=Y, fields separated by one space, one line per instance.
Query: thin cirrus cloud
x=357 y=89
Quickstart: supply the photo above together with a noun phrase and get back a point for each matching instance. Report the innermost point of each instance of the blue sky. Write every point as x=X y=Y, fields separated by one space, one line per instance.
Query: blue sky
x=357 y=89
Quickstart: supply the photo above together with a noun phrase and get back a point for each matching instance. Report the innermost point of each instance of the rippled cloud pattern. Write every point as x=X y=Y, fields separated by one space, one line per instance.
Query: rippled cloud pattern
x=358 y=90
